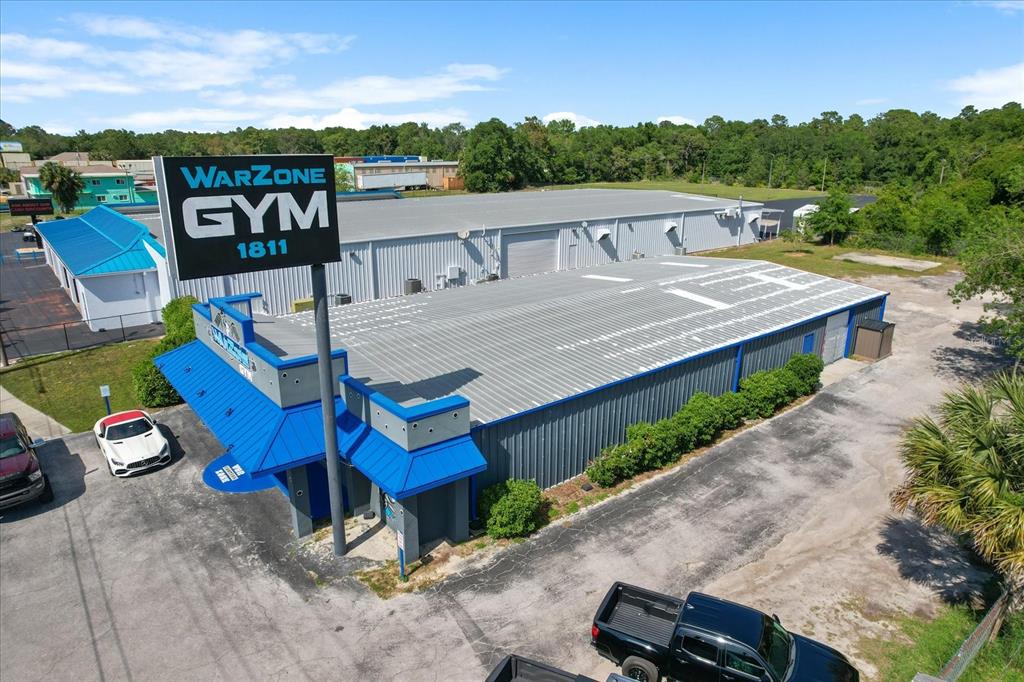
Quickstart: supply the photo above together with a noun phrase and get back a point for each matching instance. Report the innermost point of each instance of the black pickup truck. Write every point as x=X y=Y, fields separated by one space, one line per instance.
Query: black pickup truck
x=705 y=639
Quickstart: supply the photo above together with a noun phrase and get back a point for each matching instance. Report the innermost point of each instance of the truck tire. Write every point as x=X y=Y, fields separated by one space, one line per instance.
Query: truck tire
x=636 y=668
x=47 y=495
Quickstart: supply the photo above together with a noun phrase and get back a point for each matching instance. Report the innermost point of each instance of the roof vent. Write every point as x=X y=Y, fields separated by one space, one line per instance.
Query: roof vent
x=603 y=233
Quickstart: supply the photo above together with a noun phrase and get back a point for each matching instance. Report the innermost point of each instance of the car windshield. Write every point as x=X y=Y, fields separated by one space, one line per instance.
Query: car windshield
x=130 y=429
x=10 y=446
x=775 y=647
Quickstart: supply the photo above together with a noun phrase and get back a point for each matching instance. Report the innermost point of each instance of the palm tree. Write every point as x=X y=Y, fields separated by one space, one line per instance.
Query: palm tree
x=62 y=183
x=965 y=472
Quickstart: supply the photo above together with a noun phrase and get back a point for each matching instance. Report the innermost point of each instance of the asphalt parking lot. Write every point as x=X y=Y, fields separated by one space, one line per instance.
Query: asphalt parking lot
x=158 y=577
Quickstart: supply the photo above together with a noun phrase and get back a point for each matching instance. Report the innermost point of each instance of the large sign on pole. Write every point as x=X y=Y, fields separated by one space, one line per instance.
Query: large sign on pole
x=231 y=214
x=30 y=206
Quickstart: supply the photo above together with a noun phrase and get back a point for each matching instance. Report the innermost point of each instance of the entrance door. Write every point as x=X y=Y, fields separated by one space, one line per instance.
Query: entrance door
x=529 y=253
x=835 y=337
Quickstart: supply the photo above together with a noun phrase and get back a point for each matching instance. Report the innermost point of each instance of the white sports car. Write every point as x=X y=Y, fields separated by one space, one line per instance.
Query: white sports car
x=131 y=442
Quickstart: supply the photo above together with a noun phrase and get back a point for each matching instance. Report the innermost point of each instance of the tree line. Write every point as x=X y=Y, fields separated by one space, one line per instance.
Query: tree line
x=898 y=146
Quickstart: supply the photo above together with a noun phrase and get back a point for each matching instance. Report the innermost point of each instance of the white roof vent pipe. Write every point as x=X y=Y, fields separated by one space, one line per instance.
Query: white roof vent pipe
x=602 y=233
x=669 y=227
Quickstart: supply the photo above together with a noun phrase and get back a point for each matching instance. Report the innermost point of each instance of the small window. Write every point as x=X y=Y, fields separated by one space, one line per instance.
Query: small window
x=744 y=664
x=696 y=647
x=122 y=197
x=119 y=181
x=94 y=182
x=102 y=198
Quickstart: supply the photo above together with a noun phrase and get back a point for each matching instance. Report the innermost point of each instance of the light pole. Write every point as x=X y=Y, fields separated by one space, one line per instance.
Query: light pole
x=823 y=167
x=771 y=167
x=942 y=173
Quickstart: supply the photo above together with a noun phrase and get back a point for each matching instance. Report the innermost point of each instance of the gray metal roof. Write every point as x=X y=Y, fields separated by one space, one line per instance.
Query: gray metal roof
x=368 y=220
x=513 y=345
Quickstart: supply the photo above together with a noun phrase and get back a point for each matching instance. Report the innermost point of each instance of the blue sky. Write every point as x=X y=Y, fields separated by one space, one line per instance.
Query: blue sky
x=215 y=66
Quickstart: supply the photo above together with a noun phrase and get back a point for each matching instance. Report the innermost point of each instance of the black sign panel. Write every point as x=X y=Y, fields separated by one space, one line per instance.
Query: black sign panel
x=30 y=206
x=231 y=214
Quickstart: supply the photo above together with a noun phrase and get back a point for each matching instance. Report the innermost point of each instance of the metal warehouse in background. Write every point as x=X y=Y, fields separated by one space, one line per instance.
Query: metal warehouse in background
x=391 y=248
x=441 y=394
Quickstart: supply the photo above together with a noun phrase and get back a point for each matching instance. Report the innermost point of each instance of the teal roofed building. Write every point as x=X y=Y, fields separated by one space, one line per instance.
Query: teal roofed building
x=112 y=268
x=103 y=186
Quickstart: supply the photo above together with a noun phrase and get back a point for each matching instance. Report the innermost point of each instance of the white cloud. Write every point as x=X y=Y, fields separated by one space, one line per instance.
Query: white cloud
x=194 y=118
x=871 y=101
x=350 y=117
x=677 y=120
x=990 y=88
x=1005 y=6
x=580 y=120
x=168 y=57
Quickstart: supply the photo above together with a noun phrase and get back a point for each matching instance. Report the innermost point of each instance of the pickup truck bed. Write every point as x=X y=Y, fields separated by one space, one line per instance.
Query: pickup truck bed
x=518 y=669
x=647 y=616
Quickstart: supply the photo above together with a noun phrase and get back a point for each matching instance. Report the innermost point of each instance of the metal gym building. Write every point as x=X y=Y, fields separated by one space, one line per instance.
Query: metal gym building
x=441 y=394
x=391 y=248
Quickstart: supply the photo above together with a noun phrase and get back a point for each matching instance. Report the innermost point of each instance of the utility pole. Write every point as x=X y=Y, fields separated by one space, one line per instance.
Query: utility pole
x=3 y=351
x=942 y=173
x=771 y=166
x=823 y=167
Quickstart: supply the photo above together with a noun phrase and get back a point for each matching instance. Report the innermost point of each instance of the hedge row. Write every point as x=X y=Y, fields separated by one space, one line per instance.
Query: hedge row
x=511 y=509
x=151 y=388
x=702 y=419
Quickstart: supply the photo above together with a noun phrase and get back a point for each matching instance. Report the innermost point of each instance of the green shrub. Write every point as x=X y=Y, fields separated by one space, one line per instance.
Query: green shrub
x=651 y=445
x=791 y=384
x=614 y=464
x=704 y=416
x=511 y=508
x=807 y=367
x=150 y=386
x=732 y=408
x=177 y=316
x=764 y=393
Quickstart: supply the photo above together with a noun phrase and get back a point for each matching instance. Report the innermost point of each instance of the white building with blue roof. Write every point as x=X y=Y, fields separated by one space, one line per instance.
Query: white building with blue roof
x=112 y=268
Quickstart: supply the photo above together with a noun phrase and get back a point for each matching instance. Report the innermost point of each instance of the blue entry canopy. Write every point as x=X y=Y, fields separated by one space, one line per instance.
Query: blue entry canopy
x=100 y=242
x=263 y=438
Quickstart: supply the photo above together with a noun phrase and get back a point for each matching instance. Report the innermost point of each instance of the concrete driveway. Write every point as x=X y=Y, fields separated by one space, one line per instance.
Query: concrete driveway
x=158 y=577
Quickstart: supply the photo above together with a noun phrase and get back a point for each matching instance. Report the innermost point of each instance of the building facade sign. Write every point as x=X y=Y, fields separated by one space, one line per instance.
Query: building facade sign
x=29 y=206
x=234 y=214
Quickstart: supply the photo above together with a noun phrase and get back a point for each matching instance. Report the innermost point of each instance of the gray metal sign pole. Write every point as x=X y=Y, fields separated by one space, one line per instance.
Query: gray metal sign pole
x=327 y=380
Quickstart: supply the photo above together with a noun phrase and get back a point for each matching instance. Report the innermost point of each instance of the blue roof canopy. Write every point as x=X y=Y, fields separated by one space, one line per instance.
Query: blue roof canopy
x=264 y=438
x=100 y=242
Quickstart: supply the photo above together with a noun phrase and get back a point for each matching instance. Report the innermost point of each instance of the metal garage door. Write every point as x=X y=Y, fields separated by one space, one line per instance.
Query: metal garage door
x=835 y=337
x=529 y=253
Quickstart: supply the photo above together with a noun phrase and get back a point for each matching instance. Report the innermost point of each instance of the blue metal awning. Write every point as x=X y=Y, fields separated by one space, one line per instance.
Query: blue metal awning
x=264 y=438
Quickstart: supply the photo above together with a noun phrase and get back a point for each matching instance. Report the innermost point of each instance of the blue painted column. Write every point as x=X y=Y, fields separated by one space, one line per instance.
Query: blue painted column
x=738 y=368
x=849 y=335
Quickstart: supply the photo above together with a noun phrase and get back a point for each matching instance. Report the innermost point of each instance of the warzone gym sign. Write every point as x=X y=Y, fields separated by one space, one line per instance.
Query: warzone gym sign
x=233 y=214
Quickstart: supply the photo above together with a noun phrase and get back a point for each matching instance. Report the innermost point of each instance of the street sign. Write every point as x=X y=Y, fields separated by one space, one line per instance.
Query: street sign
x=104 y=391
x=29 y=206
x=232 y=214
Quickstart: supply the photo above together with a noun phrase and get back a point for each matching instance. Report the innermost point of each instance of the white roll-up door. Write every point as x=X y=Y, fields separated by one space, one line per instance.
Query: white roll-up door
x=529 y=253
x=835 y=337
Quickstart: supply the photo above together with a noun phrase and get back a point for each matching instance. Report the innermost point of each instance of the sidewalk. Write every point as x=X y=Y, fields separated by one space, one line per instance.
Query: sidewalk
x=38 y=424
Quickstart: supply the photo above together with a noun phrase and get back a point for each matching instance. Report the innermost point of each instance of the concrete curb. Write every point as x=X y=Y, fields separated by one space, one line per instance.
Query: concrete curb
x=39 y=425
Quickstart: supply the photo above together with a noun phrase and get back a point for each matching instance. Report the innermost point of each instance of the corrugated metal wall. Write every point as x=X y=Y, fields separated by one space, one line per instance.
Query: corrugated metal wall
x=555 y=444
x=372 y=270
x=775 y=350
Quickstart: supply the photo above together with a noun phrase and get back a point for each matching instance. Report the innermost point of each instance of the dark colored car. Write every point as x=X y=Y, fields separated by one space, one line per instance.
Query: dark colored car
x=21 y=478
x=706 y=639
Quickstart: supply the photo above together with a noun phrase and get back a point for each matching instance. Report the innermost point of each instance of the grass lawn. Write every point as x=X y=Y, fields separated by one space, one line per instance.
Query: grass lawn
x=66 y=386
x=709 y=189
x=819 y=259
x=933 y=643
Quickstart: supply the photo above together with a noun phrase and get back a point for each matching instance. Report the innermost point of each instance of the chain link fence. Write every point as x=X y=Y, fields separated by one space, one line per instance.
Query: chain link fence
x=986 y=630
x=26 y=342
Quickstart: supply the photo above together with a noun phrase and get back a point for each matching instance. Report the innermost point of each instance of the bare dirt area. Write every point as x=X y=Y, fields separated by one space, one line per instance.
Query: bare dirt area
x=852 y=564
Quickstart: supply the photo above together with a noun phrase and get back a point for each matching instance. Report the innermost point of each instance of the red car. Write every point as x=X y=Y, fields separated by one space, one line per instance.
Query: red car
x=21 y=478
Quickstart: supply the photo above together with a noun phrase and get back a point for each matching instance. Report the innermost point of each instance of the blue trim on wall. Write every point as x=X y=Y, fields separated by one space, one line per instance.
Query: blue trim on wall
x=671 y=365
x=403 y=412
x=849 y=335
x=881 y=313
x=737 y=368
